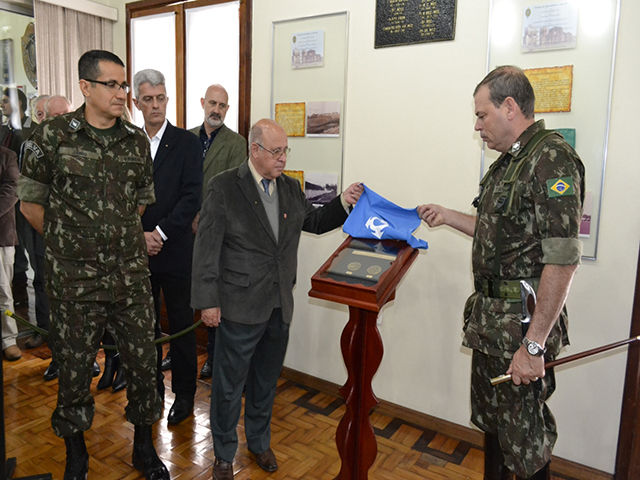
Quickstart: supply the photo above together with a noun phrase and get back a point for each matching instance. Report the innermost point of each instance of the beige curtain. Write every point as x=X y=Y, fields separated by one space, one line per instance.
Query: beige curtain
x=62 y=36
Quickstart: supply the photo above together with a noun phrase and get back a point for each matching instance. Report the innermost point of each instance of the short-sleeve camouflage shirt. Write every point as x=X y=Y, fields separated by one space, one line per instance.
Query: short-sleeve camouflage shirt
x=541 y=227
x=91 y=186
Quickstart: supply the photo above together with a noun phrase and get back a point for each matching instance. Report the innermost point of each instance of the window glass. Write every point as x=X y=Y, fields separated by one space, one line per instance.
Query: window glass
x=213 y=52
x=153 y=45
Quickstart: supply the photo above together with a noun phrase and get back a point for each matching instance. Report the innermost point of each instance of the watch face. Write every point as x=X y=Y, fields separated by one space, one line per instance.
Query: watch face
x=532 y=348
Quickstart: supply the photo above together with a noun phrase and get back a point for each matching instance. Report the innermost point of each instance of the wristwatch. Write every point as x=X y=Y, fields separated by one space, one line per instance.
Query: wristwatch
x=533 y=348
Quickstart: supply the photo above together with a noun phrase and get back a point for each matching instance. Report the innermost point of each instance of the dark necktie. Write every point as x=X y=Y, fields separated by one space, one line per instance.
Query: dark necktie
x=265 y=184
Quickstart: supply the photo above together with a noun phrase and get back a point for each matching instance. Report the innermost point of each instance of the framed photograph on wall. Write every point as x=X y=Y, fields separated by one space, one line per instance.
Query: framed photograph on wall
x=6 y=60
x=567 y=49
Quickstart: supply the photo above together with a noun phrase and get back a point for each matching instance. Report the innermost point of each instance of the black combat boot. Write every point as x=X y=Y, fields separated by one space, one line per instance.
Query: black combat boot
x=145 y=458
x=120 y=382
x=543 y=474
x=77 y=466
x=494 y=468
x=111 y=364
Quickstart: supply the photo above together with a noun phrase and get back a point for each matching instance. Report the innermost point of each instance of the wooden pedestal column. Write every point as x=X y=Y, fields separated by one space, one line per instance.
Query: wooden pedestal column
x=362 y=350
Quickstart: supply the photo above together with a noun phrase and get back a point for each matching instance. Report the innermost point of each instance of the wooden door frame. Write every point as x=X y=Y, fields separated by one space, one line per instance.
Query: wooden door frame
x=147 y=7
x=628 y=453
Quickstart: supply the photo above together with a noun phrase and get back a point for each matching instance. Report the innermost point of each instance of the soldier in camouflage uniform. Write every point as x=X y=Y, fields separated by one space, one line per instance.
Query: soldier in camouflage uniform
x=526 y=228
x=86 y=178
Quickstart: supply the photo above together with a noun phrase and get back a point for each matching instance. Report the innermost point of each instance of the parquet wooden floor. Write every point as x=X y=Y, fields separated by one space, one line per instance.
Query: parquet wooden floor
x=303 y=435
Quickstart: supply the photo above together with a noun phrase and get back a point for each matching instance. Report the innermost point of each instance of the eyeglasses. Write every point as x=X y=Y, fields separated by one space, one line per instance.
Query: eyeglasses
x=112 y=85
x=276 y=153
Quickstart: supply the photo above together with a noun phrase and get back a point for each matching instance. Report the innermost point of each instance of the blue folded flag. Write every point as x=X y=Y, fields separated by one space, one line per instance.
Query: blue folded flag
x=378 y=218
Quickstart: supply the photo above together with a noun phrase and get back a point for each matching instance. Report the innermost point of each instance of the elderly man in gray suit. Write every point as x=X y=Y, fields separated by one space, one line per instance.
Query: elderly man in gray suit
x=244 y=271
x=222 y=149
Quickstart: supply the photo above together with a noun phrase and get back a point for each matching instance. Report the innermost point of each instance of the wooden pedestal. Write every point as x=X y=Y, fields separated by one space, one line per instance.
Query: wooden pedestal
x=362 y=351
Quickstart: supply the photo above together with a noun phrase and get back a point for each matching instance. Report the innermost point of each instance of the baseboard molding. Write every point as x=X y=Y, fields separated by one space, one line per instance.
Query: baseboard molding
x=559 y=466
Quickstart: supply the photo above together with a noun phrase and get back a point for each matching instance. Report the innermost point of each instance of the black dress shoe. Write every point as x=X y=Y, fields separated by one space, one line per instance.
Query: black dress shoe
x=222 y=470
x=207 y=368
x=19 y=289
x=145 y=458
x=166 y=361
x=52 y=370
x=267 y=461
x=96 y=369
x=111 y=364
x=77 y=466
x=120 y=382
x=180 y=410
x=34 y=341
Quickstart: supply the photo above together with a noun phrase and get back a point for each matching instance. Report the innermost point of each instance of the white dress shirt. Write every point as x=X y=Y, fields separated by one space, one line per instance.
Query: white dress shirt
x=154 y=142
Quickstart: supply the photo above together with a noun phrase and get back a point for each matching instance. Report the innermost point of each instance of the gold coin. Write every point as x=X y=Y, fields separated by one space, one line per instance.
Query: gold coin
x=374 y=269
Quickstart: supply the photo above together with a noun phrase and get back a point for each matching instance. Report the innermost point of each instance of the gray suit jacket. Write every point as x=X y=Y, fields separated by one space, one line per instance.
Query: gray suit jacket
x=238 y=265
x=228 y=150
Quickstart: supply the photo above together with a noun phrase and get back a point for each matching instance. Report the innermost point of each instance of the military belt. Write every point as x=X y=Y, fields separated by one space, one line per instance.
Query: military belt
x=506 y=289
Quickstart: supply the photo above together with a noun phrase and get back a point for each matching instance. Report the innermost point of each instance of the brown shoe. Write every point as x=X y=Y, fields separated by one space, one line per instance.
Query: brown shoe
x=12 y=353
x=267 y=461
x=222 y=470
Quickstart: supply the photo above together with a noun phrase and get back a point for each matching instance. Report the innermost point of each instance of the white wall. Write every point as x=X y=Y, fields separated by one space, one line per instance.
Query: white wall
x=409 y=136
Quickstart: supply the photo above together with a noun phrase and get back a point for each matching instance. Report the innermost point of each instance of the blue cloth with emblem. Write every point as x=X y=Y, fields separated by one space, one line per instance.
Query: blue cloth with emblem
x=378 y=218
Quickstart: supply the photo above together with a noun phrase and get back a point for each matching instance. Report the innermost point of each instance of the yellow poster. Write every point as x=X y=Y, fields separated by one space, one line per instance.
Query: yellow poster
x=291 y=117
x=297 y=174
x=553 y=88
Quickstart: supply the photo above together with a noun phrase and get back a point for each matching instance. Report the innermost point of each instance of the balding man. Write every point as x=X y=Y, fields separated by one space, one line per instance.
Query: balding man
x=38 y=107
x=244 y=271
x=222 y=149
x=56 y=105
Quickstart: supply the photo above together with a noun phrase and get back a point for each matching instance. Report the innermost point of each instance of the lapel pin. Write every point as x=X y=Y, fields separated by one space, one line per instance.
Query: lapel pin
x=285 y=215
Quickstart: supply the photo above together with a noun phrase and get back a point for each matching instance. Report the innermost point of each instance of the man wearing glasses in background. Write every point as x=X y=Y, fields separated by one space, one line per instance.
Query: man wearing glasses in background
x=86 y=179
x=244 y=271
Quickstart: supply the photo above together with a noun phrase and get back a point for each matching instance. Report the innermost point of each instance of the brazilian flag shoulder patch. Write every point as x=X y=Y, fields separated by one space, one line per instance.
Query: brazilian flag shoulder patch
x=560 y=187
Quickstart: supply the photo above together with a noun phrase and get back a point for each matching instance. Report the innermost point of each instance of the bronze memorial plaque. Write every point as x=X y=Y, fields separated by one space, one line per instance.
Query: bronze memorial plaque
x=402 y=22
x=362 y=262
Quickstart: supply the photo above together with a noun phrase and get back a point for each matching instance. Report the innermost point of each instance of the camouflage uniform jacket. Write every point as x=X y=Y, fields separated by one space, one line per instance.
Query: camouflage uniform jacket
x=540 y=226
x=91 y=186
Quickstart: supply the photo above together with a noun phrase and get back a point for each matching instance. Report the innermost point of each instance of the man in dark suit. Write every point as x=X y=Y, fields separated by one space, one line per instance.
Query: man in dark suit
x=247 y=252
x=177 y=177
x=222 y=149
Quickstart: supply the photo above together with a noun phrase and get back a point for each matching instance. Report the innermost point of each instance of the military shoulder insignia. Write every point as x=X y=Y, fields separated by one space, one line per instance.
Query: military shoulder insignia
x=129 y=129
x=74 y=124
x=33 y=146
x=560 y=187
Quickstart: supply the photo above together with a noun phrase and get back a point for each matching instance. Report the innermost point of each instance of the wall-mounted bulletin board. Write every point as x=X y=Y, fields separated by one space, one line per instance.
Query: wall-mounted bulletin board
x=308 y=93
x=567 y=49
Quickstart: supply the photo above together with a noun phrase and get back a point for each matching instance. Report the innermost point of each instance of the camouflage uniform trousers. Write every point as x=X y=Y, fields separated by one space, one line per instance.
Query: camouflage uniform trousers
x=518 y=415
x=76 y=332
